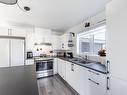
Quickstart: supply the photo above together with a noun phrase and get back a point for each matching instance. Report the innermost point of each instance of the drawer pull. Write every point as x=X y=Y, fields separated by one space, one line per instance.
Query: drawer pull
x=72 y=67
x=93 y=81
x=94 y=72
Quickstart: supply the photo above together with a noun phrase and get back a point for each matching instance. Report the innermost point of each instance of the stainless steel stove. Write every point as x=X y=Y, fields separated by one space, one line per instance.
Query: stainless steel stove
x=44 y=67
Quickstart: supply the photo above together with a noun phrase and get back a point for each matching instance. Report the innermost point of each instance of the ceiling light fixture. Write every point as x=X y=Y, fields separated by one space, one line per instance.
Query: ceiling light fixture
x=9 y=2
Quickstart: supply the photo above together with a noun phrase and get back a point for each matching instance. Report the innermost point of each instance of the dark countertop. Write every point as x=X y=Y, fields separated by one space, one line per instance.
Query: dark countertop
x=93 y=65
x=18 y=80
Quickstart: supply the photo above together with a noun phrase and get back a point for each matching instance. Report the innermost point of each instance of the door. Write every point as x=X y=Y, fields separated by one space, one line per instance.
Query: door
x=116 y=38
x=117 y=86
x=4 y=52
x=96 y=83
x=17 y=52
x=55 y=66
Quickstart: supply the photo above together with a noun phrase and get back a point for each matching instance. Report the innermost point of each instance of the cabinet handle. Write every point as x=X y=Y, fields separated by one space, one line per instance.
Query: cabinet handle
x=94 y=72
x=108 y=79
x=72 y=67
x=108 y=66
x=93 y=81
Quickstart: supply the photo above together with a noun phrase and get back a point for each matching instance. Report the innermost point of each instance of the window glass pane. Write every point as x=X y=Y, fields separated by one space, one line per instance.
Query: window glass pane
x=91 y=41
x=99 y=40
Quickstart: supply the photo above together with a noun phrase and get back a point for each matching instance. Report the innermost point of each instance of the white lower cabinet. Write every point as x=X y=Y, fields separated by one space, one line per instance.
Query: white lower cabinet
x=55 y=66
x=76 y=76
x=117 y=86
x=97 y=83
x=62 y=68
x=84 y=81
x=29 y=62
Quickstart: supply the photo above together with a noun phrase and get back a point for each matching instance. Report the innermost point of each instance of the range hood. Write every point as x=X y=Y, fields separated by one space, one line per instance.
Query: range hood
x=43 y=43
x=9 y=2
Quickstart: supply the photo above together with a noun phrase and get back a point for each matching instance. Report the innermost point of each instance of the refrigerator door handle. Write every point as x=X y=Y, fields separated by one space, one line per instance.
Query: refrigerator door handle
x=108 y=66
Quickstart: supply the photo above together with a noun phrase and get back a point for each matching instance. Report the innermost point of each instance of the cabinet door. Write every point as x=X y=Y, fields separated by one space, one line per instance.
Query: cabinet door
x=59 y=67
x=81 y=80
x=3 y=31
x=77 y=77
x=17 y=52
x=116 y=35
x=4 y=52
x=69 y=77
x=19 y=32
x=97 y=83
x=55 y=66
x=117 y=86
x=63 y=69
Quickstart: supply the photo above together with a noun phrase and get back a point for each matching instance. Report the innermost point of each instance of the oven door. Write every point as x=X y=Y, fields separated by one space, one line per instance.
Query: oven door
x=44 y=65
x=44 y=68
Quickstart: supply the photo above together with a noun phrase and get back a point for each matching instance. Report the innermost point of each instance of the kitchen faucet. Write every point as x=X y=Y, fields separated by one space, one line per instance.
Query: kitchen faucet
x=84 y=58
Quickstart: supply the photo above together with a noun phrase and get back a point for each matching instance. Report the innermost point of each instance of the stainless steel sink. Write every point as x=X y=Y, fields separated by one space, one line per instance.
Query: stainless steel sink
x=78 y=60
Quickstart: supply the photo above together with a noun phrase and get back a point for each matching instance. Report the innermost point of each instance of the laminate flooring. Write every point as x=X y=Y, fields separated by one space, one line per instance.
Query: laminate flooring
x=54 y=86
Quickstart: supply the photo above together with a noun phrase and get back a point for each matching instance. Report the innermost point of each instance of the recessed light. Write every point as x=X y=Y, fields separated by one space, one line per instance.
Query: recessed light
x=26 y=8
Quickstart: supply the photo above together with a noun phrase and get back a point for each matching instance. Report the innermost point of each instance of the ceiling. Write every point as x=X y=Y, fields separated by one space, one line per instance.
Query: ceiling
x=58 y=15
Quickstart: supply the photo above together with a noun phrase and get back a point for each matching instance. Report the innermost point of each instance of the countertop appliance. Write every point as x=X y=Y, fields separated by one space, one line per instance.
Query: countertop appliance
x=44 y=67
x=68 y=54
x=29 y=54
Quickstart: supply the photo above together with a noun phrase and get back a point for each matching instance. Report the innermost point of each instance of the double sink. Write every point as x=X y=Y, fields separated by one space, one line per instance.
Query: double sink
x=82 y=61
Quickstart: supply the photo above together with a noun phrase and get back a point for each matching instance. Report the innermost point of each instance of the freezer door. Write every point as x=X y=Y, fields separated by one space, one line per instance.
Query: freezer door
x=4 y=52
x=17 y=52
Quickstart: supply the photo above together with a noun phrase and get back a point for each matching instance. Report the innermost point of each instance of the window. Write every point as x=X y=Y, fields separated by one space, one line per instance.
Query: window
x=91 y=41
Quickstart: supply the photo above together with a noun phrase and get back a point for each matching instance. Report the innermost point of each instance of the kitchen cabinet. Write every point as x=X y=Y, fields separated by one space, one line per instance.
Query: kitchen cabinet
x=117 y=86
x=116 y=46
x=12 y=52
x=18 y=32
x=4 y=52
x=97 y=83
x=77 y=77
x=55 y=66
x=13 y=31
x=62 y=68
x=29 y=62
x=4 y=31
x=17 y=52
x=116 y=37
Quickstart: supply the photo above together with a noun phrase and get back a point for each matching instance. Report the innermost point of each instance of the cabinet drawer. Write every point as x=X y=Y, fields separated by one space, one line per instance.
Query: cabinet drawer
x=96 y=76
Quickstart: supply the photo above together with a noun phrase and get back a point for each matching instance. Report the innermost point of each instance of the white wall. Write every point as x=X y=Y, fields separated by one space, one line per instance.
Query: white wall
x=38 y=35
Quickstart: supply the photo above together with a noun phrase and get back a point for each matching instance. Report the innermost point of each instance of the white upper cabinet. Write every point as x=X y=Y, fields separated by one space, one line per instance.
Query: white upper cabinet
x=13 y=31
x=4 y=31
x=116 y=37
x=19 y=32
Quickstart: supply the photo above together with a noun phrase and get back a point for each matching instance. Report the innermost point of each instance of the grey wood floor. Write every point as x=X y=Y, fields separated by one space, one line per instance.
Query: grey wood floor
x=54 y=86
